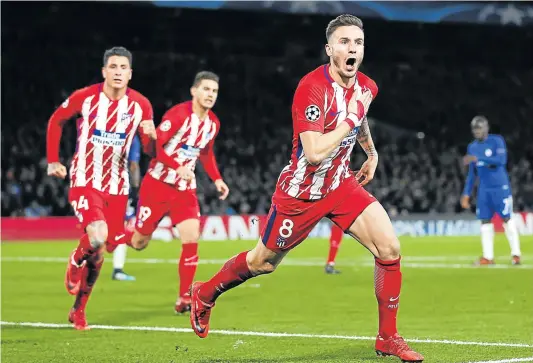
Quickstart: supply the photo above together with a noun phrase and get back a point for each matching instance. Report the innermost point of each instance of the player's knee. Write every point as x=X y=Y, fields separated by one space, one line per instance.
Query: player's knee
x=388 y=248
x=140 y=241
x=98 y=233
x=190 y=236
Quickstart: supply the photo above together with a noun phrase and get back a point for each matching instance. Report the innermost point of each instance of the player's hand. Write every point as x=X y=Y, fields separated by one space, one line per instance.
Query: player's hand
x=149 y=129
x=467 y=159
x=222 y=189
x=465 y=202
x=57 y=169
x=359 y=103
x=367 y=171
x=185 y=173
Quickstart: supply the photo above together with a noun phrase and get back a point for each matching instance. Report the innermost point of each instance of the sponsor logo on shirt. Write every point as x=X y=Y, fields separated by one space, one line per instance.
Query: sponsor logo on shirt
x=188 y=151
x=106 y=138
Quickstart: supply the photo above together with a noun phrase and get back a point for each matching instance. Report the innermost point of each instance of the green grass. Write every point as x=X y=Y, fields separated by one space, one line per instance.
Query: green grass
x=442 y=298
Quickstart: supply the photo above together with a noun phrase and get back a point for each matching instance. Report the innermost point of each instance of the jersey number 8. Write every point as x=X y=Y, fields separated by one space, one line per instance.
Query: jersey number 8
x=285 y=230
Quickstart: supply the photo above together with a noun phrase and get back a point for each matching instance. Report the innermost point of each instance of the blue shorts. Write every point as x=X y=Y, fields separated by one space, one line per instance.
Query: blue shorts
x=492 y=201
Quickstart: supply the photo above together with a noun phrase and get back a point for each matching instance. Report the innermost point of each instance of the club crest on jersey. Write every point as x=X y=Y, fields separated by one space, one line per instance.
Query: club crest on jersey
x=165 y=126
x=125 y=119
x=312 y=113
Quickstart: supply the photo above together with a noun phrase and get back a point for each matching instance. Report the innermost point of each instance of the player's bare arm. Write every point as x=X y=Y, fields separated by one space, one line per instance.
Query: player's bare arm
x=318 y=146
x=368 y=169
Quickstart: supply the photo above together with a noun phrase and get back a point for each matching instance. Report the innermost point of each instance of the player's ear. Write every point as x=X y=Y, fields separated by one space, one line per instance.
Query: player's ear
x=131 y=74
x=103 y=72
x=193 y=91
x=329 y=51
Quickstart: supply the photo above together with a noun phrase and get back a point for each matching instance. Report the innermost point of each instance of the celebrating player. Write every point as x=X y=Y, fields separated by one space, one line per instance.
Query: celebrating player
x=335 y=240
x=99 y=181
x=487 y=157
x=329 y=114
x=120 y=252
x=187 y=133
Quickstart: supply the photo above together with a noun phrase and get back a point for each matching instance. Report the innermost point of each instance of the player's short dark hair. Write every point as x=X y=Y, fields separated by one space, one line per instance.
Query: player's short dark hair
x=343 y=20
x=119 y=51
x=200 y=76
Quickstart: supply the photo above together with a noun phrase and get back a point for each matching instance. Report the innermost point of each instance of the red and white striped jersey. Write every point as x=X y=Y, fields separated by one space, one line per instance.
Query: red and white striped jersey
x=319 y=104
x=105 y=130
x=182 y=139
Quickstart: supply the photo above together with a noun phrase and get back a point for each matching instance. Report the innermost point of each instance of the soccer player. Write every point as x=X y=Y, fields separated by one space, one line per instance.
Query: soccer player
x=329 y=115
x=120 y=252
x=186 y=134
x=487 y=160
x=99 y=181
x=335 y=240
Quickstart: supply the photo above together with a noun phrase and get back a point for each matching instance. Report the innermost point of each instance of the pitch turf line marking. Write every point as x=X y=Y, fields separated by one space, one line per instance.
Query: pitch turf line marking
x=285 y=262
x=262 y=334
x=512 y=360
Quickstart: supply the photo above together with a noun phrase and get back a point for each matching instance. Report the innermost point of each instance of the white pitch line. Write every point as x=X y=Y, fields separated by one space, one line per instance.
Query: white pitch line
x=263 y=334
x=285 y=262
x=511 y=360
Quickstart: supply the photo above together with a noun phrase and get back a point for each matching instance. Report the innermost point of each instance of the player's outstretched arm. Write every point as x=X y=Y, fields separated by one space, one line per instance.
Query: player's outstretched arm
x=62 y=114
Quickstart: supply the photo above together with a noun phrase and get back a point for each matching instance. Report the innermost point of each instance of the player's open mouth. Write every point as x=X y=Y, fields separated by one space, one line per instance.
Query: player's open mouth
x=350 y=63
x=117 y=80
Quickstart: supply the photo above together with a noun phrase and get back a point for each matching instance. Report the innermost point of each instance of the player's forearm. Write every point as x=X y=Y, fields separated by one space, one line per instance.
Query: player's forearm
x=149 y=145
x=53 y=139
x=470 y=179
x=365 y=139
x=494 y=160
x=323 y=145
x=167 y=160
x=210 y=165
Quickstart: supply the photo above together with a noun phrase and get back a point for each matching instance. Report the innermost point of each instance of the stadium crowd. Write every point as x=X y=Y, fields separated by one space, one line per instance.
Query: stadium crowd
x=429 y=91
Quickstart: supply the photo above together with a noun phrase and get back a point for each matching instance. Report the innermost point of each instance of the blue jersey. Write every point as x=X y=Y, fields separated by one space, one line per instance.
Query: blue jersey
x=135 y=150
x=494 y=191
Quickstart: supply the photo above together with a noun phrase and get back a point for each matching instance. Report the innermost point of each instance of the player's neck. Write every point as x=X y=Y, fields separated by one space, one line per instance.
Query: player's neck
x=341 y=81
x=199 y=111
x=113 y=93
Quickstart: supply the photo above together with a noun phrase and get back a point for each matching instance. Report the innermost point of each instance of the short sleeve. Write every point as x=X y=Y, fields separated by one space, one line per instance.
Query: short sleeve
x=308 y=108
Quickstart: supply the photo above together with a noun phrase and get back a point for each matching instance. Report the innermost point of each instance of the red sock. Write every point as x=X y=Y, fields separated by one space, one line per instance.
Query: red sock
x=94 y=265
x=334 y=243
x=187 y=265
x=122 y=238
x=234 y=272
x=84 y=249
x=387 y=283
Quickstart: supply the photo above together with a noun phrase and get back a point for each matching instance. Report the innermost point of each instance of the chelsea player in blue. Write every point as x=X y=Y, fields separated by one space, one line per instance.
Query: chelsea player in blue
x=487 y=160
x=119 y=254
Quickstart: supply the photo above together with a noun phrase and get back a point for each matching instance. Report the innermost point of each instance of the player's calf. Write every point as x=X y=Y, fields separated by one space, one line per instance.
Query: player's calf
x=235 y=271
